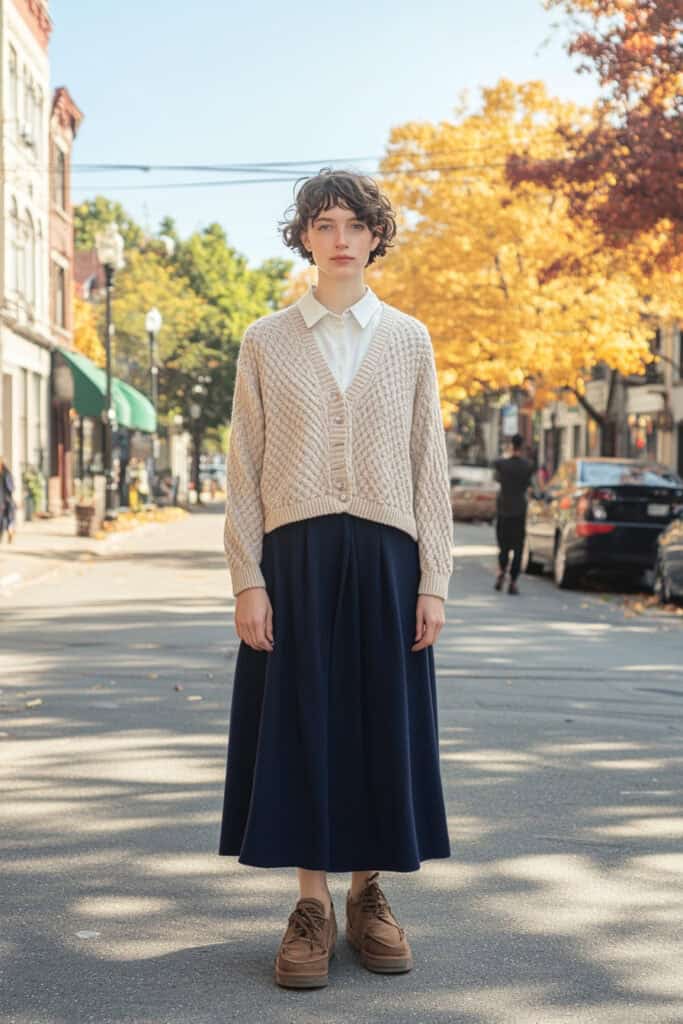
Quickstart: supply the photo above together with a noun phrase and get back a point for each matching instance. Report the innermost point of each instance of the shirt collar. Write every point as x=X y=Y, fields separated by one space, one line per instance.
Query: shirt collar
x=313 y=311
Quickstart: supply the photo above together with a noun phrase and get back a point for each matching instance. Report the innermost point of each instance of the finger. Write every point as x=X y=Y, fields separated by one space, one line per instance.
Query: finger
x=419 y=626
x=263 y=642
x=428 y=637
x=430 y=634
x=269 y=625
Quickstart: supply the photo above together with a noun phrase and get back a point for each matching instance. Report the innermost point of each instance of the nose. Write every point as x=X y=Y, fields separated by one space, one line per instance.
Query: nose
x=340 y=239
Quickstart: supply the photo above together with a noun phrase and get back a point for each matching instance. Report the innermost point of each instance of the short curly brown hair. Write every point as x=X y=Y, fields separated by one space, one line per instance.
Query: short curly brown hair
x=353 y=191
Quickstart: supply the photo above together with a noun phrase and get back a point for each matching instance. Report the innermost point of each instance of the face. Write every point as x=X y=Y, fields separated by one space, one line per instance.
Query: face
x=339 y=242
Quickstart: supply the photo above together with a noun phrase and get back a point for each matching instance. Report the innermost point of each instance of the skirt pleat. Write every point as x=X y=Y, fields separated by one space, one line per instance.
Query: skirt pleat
x=333 y=752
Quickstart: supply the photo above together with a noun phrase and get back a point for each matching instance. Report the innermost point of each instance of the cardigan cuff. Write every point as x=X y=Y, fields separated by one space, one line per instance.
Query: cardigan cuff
x=246 y=576
x=435 y=584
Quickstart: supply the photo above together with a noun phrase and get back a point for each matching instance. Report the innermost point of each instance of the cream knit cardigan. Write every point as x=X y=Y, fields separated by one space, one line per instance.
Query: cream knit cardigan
x=302 y=447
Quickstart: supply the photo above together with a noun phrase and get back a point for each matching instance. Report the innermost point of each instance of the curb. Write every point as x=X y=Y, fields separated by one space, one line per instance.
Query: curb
x=15 y=580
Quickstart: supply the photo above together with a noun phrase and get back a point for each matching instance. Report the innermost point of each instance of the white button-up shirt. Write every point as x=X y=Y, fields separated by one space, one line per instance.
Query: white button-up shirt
x=343 y=338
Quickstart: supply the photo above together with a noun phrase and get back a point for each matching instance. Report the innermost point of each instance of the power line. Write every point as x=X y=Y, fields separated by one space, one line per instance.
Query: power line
x=229 y=182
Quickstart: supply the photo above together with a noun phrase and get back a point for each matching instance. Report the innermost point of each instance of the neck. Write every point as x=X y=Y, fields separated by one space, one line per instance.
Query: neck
x=339 y=295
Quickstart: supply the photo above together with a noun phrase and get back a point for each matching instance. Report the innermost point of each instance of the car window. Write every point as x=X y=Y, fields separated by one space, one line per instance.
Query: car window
x=614 y=474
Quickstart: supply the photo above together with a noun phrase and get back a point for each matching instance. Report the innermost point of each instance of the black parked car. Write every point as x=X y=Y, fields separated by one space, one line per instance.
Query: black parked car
x=601 y=514
x=669 y=563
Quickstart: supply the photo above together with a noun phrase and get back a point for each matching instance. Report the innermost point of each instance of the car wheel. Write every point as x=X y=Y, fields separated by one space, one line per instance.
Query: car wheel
x=662 y=585
x=529 y=564
x=564 y=577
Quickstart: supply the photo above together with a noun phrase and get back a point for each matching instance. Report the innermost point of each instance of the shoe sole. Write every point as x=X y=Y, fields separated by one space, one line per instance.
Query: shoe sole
x=382 y=964
x=302 y=980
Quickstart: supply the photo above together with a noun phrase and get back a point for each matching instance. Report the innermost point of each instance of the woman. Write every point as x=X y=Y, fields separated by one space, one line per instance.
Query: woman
x=338 y=535
x=6 y=501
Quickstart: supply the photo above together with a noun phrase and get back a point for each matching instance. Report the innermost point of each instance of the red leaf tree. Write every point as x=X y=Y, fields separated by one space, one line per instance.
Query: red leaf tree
x=625 y=170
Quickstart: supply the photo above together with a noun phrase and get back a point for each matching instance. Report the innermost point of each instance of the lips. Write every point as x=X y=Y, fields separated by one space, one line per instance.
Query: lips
x=342 y=259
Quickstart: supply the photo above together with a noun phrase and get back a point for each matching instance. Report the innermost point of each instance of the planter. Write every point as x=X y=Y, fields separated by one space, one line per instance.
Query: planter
x=85 y=517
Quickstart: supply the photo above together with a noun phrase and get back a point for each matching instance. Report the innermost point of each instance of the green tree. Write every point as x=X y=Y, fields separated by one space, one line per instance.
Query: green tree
x=207 y=295
x=92 y=215
x=234 y=295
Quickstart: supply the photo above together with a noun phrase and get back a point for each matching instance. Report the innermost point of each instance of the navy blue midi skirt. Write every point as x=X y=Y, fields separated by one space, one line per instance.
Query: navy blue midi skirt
x=333 y=751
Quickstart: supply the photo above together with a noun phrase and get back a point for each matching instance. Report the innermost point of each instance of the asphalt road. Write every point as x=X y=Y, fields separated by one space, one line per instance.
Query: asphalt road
x=561 y=722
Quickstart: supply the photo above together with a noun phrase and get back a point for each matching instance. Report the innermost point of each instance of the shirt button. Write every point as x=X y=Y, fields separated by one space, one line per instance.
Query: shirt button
x=344 y=497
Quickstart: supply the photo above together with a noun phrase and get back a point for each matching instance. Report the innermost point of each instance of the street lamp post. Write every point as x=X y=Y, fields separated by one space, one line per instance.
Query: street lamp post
x=109 y=246
x=153 y=323
x=197 y=394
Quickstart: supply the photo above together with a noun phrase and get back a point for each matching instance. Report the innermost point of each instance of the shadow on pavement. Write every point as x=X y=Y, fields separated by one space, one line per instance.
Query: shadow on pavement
x=562 y=900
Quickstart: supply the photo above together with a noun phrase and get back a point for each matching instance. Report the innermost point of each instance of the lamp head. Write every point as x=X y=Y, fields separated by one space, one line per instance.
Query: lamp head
x=153 y=321
x=109 y=246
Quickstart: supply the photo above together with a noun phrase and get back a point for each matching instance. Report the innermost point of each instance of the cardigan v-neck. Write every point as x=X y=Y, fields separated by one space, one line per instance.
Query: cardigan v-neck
x=342 y=338
x=365 y=371
x=301 y=447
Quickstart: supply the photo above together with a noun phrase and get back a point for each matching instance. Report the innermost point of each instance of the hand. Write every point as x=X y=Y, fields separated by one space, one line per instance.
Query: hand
x=254 y=618
x=429 y=620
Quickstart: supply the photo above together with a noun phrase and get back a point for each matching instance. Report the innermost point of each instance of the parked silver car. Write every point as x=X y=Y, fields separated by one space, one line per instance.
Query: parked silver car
x=474 y=492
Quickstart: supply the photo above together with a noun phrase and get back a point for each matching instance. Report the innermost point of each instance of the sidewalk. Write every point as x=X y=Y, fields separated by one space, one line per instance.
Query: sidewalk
x=44 y=546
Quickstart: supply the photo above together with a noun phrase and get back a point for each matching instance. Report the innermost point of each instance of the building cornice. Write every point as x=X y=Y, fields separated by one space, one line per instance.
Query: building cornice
x=38 y=20
x=66 y=112
x=25 y=331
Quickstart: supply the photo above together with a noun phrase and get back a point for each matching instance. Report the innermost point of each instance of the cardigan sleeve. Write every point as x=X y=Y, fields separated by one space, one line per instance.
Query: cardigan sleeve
x=243 y=529
x=431 y=492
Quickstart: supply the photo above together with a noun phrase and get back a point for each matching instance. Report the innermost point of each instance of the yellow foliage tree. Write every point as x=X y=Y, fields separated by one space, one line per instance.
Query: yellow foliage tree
x=513 y=291
x=298 y=284
x=86 y=339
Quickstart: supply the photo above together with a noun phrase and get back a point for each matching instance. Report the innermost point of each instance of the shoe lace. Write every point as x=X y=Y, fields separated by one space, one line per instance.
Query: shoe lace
x=307 y=922
x=373 y=901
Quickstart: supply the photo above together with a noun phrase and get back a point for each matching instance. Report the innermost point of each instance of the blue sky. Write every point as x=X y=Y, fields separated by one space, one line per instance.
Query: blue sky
x=208 y=82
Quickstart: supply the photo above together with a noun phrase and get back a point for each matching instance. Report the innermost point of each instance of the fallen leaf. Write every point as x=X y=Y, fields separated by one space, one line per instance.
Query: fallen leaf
x=178 y=687
x=33 y=703
x=195 y=696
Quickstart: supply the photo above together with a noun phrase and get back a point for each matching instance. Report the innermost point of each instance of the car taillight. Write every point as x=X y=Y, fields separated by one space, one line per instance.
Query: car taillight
x=591 y=504
x=592 y=529
x=583 y=506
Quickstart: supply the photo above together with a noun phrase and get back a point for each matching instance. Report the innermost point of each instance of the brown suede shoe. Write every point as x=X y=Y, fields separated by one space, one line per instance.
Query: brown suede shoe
x=372 y=929
x=307 y=947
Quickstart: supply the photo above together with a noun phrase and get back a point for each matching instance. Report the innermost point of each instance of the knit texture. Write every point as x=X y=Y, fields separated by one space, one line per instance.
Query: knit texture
x=302 y=447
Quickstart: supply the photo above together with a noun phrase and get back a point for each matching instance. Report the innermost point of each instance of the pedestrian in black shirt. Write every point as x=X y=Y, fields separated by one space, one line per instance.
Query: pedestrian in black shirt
x=6 y=501
x=514 y=475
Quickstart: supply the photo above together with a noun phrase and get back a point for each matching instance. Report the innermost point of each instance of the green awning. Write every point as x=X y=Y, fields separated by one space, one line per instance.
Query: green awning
x=133 y=409
x=141 y=409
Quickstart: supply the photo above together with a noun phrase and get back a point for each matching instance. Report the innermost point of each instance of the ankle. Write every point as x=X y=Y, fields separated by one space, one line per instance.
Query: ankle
x=358 y=884
x=324 y=896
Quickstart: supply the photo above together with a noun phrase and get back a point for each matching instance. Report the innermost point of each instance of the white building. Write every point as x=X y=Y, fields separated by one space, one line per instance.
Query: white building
x=24 y=237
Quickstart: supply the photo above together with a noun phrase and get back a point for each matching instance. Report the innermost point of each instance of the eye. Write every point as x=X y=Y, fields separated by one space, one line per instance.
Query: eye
x=359 y=226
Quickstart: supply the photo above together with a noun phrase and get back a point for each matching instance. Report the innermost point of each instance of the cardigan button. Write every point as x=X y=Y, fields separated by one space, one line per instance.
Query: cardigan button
x=343 y=497
x=337 y=419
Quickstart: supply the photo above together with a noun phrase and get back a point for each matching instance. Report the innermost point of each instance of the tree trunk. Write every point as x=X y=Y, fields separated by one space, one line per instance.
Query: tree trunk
x=591 y=410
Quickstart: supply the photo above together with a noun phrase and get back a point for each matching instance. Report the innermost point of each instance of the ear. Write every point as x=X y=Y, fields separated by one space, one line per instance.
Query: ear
x=305 y=242
x=375 y=242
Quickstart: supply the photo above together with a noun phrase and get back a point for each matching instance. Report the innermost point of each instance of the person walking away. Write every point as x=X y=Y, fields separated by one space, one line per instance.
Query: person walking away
x=514 y=474
x=7 y=506
x=338 y=536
